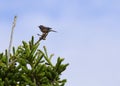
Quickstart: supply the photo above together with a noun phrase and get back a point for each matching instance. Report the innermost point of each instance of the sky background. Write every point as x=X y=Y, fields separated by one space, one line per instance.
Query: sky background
x=88 y=35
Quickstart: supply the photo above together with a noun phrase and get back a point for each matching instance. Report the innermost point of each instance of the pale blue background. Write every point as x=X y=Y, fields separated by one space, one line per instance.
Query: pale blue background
x=88 y=35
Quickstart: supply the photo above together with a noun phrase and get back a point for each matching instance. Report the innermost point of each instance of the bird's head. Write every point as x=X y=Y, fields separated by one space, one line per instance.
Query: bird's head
x=41 y=26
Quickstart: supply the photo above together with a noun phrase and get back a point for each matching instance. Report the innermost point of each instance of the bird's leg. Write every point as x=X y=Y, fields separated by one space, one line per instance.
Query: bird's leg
x=43 y=36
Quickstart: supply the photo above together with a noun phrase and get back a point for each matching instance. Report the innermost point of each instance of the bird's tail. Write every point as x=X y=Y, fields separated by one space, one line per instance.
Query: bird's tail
x=53 y=31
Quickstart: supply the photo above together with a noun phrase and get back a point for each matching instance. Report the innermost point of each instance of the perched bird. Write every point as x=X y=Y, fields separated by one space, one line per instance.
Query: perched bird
x=45 y=29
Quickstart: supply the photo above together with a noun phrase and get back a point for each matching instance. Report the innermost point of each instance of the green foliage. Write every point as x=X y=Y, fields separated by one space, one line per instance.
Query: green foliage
x=29 y=66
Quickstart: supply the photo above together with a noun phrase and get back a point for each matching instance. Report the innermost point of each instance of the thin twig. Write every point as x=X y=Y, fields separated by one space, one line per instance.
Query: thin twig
x=11 y=39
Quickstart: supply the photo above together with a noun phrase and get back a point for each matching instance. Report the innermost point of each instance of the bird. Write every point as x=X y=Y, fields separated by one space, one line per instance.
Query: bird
x=45 y=29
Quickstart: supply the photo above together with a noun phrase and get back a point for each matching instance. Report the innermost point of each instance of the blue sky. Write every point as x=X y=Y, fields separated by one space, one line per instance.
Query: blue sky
x=88 y=35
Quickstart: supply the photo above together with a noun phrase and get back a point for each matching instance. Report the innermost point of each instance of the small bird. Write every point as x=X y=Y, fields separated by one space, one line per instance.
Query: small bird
x=46 y=29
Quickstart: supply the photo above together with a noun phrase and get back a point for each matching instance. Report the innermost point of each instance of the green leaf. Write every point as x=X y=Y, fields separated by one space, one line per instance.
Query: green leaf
x=14 y=51
x=45 y=51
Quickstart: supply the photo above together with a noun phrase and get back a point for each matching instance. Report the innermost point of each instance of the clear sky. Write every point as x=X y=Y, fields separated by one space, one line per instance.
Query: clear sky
x=88 y=35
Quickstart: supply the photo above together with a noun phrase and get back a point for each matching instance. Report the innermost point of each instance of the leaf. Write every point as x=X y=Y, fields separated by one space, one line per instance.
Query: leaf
x=14 y=51
x=45 y=51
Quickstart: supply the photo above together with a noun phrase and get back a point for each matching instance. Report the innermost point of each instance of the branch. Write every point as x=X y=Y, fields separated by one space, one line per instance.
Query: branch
x=42 y=37
x=11 y=39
